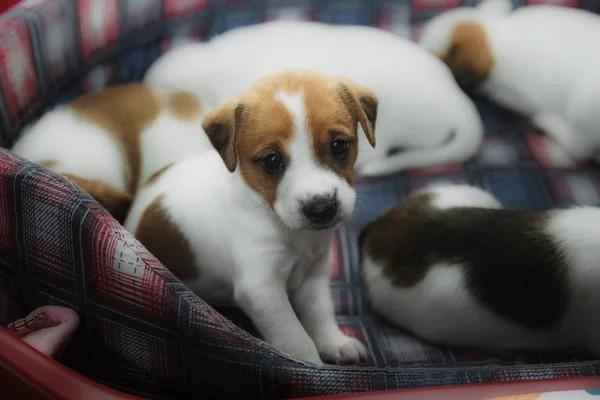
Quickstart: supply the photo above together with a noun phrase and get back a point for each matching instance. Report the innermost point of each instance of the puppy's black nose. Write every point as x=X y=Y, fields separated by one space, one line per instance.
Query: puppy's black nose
x=321 y=209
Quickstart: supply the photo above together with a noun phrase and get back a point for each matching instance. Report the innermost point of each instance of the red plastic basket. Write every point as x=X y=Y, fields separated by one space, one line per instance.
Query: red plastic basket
x=25 y=373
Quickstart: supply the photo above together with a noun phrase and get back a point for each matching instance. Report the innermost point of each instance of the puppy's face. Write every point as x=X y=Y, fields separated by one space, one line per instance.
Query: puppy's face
x=294 y=137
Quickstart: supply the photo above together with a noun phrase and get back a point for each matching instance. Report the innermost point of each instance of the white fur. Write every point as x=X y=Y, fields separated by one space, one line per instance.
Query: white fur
x=547 y=62
x=305 y=178
x=77 y=145
x=495 y=7
x=441 y=309
x=267 y=262
x=168 y=140
x=82 y=148
x=448 y=196
x=577 y=231
x=420 y=105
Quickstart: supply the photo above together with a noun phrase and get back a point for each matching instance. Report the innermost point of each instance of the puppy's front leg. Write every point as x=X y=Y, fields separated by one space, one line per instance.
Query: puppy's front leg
x=314 y=305
x=265 y=300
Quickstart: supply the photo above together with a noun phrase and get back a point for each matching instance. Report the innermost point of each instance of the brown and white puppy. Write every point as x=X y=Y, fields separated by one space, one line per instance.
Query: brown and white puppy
x=250 y=223
x=111 y=141
x=452 y=266
x=541 y=61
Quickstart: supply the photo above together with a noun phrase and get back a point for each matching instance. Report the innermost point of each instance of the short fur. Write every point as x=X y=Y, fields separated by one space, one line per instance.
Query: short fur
x=110 y=142
x=420 y=104
x=168 y=242
x=541 y=61
x=252 y=240
x=451 y=265
x=470 y=57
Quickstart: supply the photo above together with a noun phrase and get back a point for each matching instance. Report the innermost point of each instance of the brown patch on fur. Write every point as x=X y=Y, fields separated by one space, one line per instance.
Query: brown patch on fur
x=155 y=175
x=245 y=127
x=511 y=265
x=470 y=57
x=124 y=111
x=115 y=201
x=163 y=238
x=184 y=106
x=267 y=127
x=48 y=163
x=328 y=119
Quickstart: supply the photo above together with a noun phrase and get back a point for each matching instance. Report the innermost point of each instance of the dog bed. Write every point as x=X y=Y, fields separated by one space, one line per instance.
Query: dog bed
x=145 y=333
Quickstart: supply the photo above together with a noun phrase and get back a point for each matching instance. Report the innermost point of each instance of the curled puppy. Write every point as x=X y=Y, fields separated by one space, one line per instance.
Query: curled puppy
x=541 y=61
x=111 y=141
x=249 y=223
x=449 y=264
x=424 y=118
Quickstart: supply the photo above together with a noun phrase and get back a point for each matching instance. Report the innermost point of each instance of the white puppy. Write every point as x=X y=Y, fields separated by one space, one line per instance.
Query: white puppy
x=541 y=61
x=424 y=118
x=250 y=224
x=451 y=265
x=111 y=141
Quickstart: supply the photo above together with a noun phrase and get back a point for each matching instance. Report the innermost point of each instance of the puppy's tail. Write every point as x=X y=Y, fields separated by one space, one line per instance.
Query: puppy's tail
x=464 y=142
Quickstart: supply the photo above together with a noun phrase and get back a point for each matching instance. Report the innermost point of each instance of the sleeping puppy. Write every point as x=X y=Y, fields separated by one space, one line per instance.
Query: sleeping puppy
x=541 y=61
x=110 y=141
x=452 y=266
x=249 y=224
x=424 y=118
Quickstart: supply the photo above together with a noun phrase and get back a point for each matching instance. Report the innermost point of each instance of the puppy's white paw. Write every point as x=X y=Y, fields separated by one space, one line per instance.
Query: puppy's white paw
x=304 y=350
x=311 y=356
x=343 y=350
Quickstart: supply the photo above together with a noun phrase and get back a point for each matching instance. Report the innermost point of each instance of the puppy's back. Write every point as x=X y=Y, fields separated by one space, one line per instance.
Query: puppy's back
x=107 y=141
x=468 y=275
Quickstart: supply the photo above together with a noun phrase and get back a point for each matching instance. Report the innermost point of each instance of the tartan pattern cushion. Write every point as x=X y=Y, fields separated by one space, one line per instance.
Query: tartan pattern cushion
x=142 y=330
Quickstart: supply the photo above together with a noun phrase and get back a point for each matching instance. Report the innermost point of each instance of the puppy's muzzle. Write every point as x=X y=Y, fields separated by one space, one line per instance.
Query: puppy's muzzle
x=320 y=209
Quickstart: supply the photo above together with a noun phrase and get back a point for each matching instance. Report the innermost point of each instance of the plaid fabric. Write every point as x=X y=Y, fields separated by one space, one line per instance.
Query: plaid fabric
x=143 y=331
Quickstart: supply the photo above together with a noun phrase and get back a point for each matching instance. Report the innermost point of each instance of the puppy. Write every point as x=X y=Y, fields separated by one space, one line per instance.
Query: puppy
x=110 y=141
x=452 y=266
x=249 y=224
x=424 y=118
x=541 y=61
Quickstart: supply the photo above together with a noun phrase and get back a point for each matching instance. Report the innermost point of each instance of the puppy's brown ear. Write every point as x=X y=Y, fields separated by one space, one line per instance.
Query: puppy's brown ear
x=221 y=126
x=470 y=57
x=363 y=103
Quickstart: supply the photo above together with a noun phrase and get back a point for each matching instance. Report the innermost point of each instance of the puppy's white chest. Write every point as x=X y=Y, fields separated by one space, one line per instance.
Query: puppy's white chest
x=305 y=262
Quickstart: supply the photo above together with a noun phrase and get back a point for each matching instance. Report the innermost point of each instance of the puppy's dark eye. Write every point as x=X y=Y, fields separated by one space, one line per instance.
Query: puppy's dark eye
x=339 y=148
x=272 y=162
